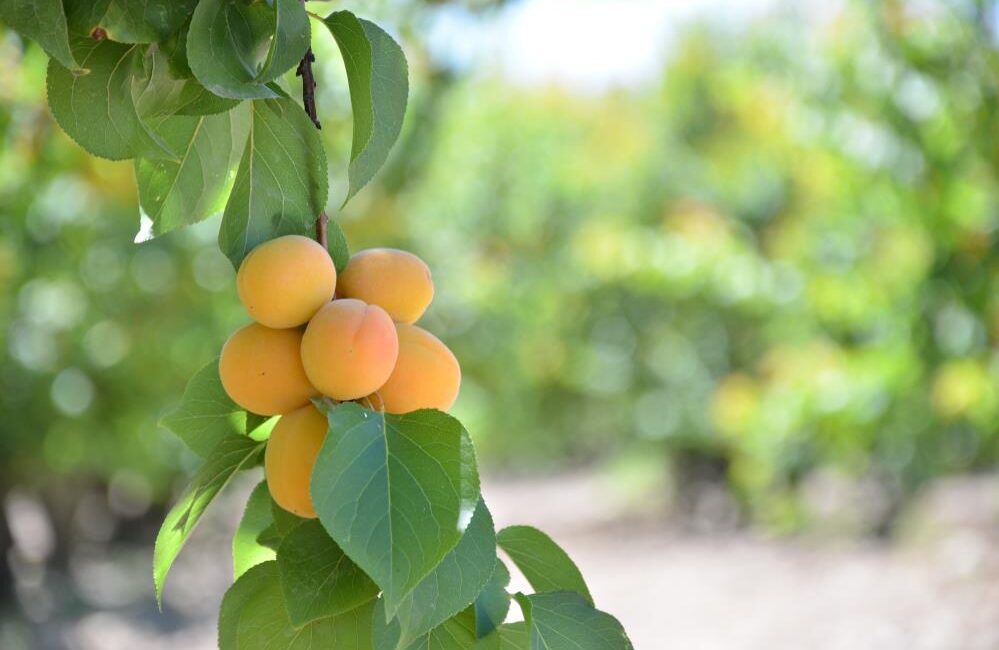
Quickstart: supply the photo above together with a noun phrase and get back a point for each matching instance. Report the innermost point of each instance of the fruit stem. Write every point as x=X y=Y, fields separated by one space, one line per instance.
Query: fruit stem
x=309 y=102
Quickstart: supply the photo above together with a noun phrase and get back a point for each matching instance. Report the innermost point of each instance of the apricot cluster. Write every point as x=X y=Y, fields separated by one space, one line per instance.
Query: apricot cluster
x=350 y=338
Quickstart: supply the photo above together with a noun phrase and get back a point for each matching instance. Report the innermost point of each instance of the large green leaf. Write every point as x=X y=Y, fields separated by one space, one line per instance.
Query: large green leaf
x=234 y=452
x=511 y=636
x=543 y=562
x=205 y=415
x=336 y=244
x=318 y=579
x=160 y=90
x=493 y=602
x=227 y=37
x=281 y=184
x=563 y=620
x=455 y=583
x=456 y=633
x=43 y=21
x=396 y=492
x=378 y=77
x=247 y=551
x=253 y=617
x=97 y=109
x=129 y=21
x=178 y=193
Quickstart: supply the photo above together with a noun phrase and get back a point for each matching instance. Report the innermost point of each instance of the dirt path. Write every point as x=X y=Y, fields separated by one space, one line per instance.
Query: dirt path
x=671 y=591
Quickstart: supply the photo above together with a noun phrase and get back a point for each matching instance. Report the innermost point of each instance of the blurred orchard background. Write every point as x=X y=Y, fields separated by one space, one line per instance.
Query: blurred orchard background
x=722 y=277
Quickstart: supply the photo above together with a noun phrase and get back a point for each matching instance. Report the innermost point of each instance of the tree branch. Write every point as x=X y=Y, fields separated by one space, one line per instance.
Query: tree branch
x=309 y=102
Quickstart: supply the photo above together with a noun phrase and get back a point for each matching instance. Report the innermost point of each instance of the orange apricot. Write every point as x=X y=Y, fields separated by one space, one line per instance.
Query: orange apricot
x=284 y=281
x=291 y=454
x=397 y=281
x=426 y=375
x=349 y=349
x=261 y=370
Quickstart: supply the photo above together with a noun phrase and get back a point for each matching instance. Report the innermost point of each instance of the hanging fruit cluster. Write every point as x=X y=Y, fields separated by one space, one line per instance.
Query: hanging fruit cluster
x=350 y=338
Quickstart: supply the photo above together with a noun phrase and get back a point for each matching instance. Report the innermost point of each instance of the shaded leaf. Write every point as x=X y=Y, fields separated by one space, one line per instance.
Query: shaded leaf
x=493 y=602
x=178 y=193
x=281 y=184
x=129 y=21
x=253 y=617
x=563 y=620
x=160 y=90
x=395 y=492
x=456 y=633
x=455 y=583
x=97 y=109
x=247 y=551
x=543 y=562
x=44 y=22
x=317 y=578
x=511 y=636
x=234 y=452
x=226 y=39
x=378 y=77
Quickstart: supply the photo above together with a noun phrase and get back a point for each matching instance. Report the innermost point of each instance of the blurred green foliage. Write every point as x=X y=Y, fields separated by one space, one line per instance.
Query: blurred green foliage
x=780 y=259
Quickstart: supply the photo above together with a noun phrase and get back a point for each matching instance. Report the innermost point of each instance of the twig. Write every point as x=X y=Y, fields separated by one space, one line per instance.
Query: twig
x=309 y=102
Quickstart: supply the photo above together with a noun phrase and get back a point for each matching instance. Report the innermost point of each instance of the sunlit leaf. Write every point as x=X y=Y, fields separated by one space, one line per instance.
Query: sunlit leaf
x=247 y=551
x=234 y=452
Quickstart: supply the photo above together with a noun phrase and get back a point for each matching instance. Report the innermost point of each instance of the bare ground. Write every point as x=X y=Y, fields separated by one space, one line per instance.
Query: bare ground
x=729 y=591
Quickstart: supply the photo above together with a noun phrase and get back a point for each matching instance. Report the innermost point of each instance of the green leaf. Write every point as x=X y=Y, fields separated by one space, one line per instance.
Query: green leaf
x=226 y=38
x=97 y=109
x=232 y=453
x=511 y=636
x=178 y=193
x=285 y=521
x=253 y=617
x=396 y=492
x=44 y=22
x=281 y=184
x=206 y=415
x=336 y=244
x=129 y=21
x=378 y=77
x=543 y=562
x=457 y=633
x=160 y=90
x=563 y=620
x=493 y=602
x=318 y=579
x=247 y=551
x=270 y=537
x=455 y=583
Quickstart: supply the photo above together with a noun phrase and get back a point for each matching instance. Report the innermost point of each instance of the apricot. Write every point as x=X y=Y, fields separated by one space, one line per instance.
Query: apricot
x=426 y=375
x=290 y=456
x=349 y=349
x=397 y=281
x=284 y=281
x=261 y=370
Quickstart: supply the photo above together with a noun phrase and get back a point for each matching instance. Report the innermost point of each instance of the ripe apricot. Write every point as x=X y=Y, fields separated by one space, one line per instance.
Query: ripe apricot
x=427 y=375
x=349 y=349
x=290 y=456
x=261 y=370
x=397 y=281
x=284 y=281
